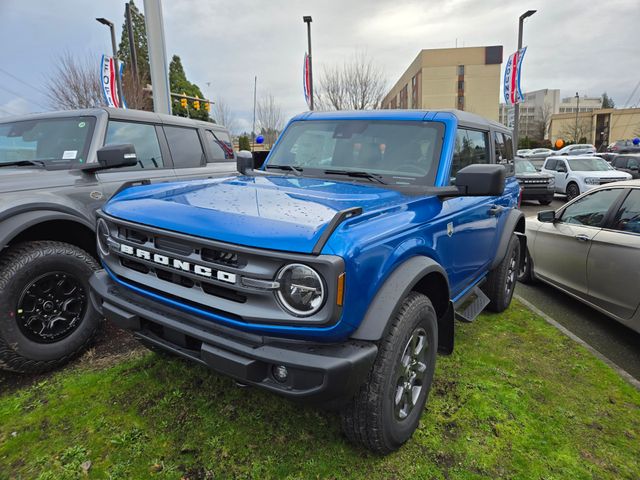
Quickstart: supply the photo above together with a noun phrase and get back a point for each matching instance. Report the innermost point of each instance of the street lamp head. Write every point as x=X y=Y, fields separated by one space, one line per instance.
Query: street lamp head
x=306 y=19
x=526 y=14
x=104 y=21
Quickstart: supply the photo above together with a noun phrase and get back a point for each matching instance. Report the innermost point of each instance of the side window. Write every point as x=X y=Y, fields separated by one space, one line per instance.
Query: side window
x=551 y=164
x=627 y=219
x=561 y=166
x=216 y=148
x=500 y=147
x=633 y=163
x=590 y=210
x=508 y=146
x=184 y=144
x=472 y=146
x=142 y=136
x=621 y=162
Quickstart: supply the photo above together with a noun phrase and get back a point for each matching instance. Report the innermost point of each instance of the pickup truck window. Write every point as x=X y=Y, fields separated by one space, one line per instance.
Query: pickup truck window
x=471 y=147
x=54 y=141
x=184 y=144
x=397 y=152
x=142 y=136
x=221 y=146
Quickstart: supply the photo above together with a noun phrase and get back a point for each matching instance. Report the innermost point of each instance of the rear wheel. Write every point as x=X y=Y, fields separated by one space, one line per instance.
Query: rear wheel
x=572 y=191
x=48 y=317
x=387 y=409
x=501 y=281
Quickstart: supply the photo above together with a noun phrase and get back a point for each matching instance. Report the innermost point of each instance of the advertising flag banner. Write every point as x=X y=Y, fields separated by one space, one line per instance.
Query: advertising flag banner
x=109 y=83
x=306 y=80
x=512 y=92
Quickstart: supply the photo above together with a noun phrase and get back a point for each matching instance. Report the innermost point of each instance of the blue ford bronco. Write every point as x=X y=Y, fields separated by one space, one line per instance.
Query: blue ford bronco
x=333 y=273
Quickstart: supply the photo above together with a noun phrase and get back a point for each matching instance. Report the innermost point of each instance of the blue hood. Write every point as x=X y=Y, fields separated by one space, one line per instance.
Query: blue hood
x=271 y=212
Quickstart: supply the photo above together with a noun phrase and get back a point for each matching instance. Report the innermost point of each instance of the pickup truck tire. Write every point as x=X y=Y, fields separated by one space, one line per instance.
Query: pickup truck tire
x=572 y=191
x=501 y=281
x=47 y=317
x=386 y=410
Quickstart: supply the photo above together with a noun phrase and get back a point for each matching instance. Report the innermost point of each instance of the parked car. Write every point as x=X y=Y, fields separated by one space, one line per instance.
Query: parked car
x=629 y=163
x=333 y=273
x=578 y=149
x=577 y=174
x=523 y=152
x=623 y=146
x=535 y=185
x=56 y=170
x=608 y=156
x=537 y=156
x=590 y=249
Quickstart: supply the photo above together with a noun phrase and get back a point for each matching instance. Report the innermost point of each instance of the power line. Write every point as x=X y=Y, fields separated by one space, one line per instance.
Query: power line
x=22 y=81
x=20 y=96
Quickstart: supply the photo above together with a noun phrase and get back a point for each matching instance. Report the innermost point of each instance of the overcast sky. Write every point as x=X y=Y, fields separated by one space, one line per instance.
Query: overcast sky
x=573 y=45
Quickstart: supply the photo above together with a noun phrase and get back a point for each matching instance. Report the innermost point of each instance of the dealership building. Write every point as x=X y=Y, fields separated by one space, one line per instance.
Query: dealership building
x=463 y=78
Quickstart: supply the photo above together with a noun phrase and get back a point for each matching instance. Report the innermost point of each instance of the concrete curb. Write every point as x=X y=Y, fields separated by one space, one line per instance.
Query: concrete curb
x=619 y=370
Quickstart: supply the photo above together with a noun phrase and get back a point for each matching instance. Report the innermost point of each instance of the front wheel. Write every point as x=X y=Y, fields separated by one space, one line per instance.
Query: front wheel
x=501 y=281
x=545 y=202
x=387 y=409
x=47 y=316
x=572 y=191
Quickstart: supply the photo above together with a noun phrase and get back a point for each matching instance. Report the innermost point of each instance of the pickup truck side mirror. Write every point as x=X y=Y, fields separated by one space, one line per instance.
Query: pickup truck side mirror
x=244 y=161
x=561 y=168
x=547 y=216
x=114 y=156
x=481 y=180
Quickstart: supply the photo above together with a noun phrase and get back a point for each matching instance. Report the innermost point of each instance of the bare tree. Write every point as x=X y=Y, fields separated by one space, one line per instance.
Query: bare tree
x=544 y=121
x=270 y=118
x=358 y=84
x=75 y=83
x=575 y=131
x=223 y=114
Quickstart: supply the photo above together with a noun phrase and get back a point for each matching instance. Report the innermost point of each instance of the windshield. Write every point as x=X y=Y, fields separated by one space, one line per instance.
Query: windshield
x=53 y=141
x=399 y=153
x=593 y=164
x=525 y=166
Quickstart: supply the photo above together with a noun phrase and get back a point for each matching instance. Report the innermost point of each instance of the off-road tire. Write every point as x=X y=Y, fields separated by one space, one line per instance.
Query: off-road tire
x=572 y=191
x=19 y=266
x=369 y=418
x=501 y=281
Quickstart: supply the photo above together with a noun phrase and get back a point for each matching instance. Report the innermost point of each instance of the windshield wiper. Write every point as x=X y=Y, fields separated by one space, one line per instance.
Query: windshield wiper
x=290 y=168
x=22 y=163
x=357 y=174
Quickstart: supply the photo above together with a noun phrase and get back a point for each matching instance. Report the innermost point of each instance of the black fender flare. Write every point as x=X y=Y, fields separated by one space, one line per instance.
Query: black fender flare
x=513 y=224
x=394 y=290
x=16 y=224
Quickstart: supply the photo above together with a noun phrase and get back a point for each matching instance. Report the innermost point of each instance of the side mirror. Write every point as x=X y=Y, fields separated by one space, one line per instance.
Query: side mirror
x=114 y=156
x=561 y=168
x=547 y=216
x=481 y=180
x=244 y=161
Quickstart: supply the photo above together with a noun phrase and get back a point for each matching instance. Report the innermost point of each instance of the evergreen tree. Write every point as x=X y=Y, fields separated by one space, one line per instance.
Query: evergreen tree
x=607 y=101
x=178 y=83
x=244 y=143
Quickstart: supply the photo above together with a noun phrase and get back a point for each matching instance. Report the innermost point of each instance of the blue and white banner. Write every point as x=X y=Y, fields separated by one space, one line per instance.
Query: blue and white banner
x=109 y=83
x=512 y=92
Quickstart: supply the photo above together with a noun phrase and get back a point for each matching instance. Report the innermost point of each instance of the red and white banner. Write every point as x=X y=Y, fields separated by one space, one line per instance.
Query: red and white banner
x=512 y=92
x=306 y=80
x=109 y=82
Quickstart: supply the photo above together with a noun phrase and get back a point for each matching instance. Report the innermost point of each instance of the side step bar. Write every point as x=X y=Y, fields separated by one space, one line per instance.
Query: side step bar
x=471 y=305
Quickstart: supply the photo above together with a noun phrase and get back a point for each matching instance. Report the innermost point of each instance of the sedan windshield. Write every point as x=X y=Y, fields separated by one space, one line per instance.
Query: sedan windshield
x=525 y=166
x=592 y=164
x=49 y=142
x=384 y=152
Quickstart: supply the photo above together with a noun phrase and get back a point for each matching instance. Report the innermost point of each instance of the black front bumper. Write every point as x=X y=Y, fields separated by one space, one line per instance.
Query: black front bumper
x=316 y=371
x=533 y=193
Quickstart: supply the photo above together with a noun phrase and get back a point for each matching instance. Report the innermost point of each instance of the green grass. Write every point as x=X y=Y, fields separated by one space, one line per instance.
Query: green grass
x=517 y=400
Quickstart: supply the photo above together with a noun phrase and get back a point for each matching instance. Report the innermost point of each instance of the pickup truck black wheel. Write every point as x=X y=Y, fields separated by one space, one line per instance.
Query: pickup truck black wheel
x=47 y=317
x=386 y=410
x=501 y=281
x=572 y=191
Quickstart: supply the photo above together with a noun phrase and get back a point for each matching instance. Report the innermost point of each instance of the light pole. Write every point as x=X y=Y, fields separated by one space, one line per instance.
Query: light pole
x=109 y=24
x=307 y=19
x=516 y=107
x=575 y=136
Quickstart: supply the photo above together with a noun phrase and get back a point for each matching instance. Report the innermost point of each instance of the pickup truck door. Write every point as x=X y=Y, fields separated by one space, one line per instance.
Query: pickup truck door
x=561 y=248
x=613 y=266
x=560 y=173
x=154 y=164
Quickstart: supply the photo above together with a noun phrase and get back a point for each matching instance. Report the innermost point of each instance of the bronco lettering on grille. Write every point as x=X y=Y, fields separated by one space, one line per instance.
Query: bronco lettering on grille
x=178 y=264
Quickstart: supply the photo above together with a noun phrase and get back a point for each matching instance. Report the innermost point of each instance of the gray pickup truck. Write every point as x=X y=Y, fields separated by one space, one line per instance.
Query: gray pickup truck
x=56 y=170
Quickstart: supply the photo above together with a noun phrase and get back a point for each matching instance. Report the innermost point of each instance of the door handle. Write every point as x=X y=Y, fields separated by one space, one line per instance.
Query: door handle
x=495 y=210
x=582 y=237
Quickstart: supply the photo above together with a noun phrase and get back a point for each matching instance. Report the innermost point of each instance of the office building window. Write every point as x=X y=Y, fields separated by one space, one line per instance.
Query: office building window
x=460 y=70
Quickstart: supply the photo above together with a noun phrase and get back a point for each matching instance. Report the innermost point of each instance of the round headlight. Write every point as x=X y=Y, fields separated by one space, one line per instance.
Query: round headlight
x=301 y=290
x=102 y=234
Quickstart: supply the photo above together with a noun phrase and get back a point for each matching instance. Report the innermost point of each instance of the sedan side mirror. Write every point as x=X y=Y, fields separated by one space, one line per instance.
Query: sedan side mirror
x=547 y=216
x=114 y=156
x=244 y=162
x=481 y=180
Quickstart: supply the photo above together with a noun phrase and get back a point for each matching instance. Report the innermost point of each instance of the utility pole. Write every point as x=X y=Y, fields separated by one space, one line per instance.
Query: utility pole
x=516 y=107
x=116 y=64
x=132 y=45
x=307 y=19
x=157 y=56
x=575 y=136
x=253 y=129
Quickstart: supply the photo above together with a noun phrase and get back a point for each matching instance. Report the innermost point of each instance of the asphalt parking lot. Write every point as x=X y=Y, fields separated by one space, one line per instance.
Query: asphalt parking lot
x=616 y=342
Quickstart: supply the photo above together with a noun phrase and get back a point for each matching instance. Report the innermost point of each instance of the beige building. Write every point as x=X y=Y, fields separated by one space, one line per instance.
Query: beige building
x=599 y=127
x=463 y=78
x=535 y=113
